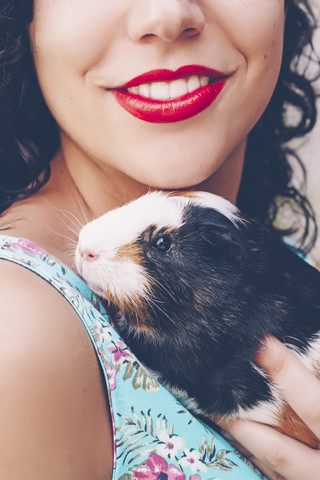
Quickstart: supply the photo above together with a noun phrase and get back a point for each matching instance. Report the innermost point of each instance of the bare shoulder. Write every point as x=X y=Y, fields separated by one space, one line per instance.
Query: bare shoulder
x=54 y=416
x=33 y=312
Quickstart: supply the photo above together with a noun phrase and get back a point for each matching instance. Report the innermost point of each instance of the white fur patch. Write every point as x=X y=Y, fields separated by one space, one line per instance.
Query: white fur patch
x=190 y=404
x=311 y=359
x=105 y=236
x=218 y=203
x=124 y=225
x=267 y=412
x=264 y=412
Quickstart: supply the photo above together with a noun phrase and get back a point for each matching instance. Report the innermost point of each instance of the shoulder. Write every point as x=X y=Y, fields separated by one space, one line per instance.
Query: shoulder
x=29 y=304
x=53 y=404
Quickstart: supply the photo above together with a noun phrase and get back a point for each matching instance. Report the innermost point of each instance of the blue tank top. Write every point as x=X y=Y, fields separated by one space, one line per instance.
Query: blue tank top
x=155 y=437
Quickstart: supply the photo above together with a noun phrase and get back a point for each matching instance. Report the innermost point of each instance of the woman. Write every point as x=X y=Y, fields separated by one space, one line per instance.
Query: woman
x=168 y=94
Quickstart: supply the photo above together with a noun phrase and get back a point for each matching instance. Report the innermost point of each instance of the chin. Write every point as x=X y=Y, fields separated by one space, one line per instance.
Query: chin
x=184 y=177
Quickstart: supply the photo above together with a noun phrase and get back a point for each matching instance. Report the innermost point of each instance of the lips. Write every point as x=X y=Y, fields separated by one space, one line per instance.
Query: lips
x=148 y=97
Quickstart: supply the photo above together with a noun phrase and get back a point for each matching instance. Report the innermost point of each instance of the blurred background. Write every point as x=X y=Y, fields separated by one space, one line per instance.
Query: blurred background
x=309 y=150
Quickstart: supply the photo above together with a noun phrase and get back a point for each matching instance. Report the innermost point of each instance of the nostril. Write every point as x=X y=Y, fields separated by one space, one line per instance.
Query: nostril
x=91 y=257
x=88 y=255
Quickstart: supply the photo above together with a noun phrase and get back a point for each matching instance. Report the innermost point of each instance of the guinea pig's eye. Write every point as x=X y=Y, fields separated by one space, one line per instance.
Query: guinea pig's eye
x=162 y=243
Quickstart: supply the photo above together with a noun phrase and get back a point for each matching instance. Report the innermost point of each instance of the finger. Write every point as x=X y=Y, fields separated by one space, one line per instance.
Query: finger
x=270 y=474
x=267 y=472
x=298 y=386
x=277 y=452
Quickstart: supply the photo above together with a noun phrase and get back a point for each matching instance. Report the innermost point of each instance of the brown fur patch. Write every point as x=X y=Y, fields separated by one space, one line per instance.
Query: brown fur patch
x=136 y=315
x=134 y=310
x=183 y=193
x=168 y=230
x=292 y=425
x=131 y=251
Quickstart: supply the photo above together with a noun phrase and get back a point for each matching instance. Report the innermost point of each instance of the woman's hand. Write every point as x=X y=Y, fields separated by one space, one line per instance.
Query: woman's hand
x=279 y=456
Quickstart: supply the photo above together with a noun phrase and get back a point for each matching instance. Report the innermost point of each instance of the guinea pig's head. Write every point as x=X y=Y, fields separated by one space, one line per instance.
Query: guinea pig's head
x=153 y=257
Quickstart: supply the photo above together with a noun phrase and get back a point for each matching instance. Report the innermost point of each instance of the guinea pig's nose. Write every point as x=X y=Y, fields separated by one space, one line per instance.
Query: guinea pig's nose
x=88 y=255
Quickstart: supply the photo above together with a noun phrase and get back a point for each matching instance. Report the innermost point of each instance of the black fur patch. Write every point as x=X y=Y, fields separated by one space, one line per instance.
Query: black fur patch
x=217 y=292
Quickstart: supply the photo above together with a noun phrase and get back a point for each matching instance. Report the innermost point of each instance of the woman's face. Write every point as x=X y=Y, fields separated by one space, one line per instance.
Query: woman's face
x=84 y=50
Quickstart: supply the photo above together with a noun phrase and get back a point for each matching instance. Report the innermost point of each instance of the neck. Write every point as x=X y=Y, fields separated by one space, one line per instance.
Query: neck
x=80 y=189
x=102 y=187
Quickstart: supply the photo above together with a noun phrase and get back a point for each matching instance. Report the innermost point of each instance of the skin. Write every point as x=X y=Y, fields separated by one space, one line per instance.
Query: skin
x=75 y=67
x=108 y=157
x=278 y=456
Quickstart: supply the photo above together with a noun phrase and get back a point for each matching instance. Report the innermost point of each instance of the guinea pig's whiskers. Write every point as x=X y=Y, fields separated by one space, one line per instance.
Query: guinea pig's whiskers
x=155 y=305
x=70 y=245
x=69 y=255
x=66 y=237
x=83 y=211
x=79 y=205
x=72 y=226
x=152 y=279
x=72 y=220
x=137 y=318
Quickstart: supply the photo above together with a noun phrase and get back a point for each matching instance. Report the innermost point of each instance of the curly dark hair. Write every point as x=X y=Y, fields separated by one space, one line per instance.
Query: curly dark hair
x=267 y=189
x=29 y=135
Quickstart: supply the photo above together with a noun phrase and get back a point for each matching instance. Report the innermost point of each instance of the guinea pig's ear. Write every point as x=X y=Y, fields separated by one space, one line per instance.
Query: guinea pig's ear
x=223 y=237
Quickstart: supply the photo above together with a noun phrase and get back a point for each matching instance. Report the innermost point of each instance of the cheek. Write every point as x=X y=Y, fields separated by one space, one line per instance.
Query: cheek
x=255 y=28
x=248 y=23
x=72 y=33
x=67 y=38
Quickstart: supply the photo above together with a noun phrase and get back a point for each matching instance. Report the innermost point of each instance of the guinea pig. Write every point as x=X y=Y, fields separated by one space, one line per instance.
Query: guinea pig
x=198 y=287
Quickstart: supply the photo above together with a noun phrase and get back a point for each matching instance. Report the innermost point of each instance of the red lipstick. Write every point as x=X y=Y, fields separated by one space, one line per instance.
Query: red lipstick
x=175 y=109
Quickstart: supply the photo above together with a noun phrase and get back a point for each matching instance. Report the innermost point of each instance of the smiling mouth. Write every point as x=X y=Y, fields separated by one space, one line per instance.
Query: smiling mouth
x=164 y=96
x=170 y=90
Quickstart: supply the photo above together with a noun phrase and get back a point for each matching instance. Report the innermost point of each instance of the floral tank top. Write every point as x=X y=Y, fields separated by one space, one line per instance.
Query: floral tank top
x=155 y=437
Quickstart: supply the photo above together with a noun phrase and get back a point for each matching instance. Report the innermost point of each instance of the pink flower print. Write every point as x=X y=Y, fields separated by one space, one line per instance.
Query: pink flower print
x=192 y=460
x=170 y=444
x=158 y=469
x=31 y=248
x=119 y=351
x=111 y=372
x=99 y=333
x=196 y=477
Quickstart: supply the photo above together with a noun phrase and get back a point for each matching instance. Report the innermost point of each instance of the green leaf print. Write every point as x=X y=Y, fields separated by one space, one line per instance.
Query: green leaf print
x=251 y=465
x=139 y=436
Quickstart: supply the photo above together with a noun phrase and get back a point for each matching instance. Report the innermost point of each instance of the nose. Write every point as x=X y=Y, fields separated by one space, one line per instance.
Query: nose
x=165 y=19
x=88 y=255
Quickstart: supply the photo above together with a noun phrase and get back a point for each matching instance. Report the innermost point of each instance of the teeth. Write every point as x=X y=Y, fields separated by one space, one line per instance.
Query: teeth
x=178 y=88
x=159 y=90
x=204 y=81
x=144 y=90
x=193 y=83
x=134 y=90
x=170 y=90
